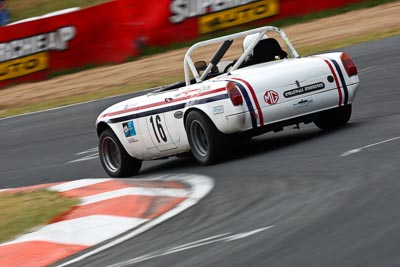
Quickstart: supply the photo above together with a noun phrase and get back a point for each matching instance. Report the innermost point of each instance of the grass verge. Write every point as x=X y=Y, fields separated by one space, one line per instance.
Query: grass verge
x=24 y=211
x=373 y=36
x=84 y=97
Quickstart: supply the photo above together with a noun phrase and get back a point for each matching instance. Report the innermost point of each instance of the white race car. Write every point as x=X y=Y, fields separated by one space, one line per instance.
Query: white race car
x=264 y=88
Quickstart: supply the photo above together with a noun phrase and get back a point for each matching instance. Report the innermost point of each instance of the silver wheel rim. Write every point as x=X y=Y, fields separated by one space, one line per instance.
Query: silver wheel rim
x=111 y=154
x=199 y=138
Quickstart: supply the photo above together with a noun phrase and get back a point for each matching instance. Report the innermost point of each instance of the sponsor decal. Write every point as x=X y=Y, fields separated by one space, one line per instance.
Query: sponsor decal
x=130 y=106
x=178 y=95
x=218 y=110
x=220 y=14
x=304 y=90
x=129 y=128
x=205 y=87
x=130 y=132
x=303 y=103
x=24 y=56
x=132 y=140
x=271 y=97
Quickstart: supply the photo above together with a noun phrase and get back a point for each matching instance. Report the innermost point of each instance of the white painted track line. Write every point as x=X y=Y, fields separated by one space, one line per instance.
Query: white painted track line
x=77 y=184
x=357 y=150
x=164 y=192
x=85 y=231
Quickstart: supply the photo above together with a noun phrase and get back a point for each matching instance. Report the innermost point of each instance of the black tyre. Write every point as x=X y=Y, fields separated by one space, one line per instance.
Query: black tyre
x=206 y=142
x=114 y=158
x=333 y=118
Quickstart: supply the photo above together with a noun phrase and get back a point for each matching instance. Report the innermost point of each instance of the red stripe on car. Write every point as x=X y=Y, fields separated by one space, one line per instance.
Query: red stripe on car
x=253 y=94
x=163 y=102
x=336 y=80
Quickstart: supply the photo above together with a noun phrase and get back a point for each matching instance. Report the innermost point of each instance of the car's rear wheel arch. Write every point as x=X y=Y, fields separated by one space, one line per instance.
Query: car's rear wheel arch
x=195 y=110
x=207 y=143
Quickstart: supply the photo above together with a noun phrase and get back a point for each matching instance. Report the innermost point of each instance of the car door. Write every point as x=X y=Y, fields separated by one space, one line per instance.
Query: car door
x=159 y=133
x=157 y=129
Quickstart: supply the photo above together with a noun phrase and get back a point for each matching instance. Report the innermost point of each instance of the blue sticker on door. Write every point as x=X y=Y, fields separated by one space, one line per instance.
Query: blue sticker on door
x=129 y=129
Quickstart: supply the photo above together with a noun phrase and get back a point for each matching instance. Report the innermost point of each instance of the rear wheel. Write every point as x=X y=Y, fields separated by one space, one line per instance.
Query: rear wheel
x=333 y=118
x=206 y=142
x=114 y=158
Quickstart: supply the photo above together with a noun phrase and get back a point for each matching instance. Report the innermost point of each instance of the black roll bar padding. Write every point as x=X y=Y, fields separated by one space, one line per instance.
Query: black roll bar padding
x=221 y=52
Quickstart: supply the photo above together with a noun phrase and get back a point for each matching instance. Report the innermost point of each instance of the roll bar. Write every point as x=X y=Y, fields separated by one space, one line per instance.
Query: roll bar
x=188 y=65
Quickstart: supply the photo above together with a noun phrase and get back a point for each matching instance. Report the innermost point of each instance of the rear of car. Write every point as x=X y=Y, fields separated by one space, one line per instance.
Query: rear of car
x=285 y=89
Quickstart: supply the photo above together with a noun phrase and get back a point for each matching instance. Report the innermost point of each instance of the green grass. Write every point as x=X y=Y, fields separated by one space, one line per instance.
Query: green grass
x=24 y=211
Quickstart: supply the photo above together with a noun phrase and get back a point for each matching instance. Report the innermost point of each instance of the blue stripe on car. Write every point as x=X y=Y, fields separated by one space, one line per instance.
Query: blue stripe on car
x=169 y=108
x=248 y=103
x=346 y=92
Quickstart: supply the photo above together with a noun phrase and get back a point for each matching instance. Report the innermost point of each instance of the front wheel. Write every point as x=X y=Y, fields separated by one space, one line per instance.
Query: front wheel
x=206 y=142
x=114 y=158
x=333 y=118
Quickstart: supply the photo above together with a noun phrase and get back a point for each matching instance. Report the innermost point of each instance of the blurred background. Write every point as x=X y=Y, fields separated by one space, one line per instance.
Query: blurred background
x=332 y=197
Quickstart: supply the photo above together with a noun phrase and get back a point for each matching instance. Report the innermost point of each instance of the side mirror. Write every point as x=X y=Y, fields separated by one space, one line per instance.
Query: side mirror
x=200 y=65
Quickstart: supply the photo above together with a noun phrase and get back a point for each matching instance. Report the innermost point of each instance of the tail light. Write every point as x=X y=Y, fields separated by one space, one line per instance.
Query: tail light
x=234 y=94
x=349 y=64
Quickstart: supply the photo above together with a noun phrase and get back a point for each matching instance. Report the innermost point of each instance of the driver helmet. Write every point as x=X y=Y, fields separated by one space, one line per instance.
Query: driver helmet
x=249 y=39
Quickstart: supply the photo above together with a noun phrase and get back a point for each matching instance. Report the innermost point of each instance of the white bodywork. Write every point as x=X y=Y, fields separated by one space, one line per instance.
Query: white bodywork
x=153 y=125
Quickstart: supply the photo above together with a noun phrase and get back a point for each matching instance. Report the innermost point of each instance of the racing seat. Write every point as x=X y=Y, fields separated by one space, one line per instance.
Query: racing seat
x=266 y=50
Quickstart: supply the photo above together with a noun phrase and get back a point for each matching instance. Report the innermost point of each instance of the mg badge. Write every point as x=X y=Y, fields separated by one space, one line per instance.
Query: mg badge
x=271 y=97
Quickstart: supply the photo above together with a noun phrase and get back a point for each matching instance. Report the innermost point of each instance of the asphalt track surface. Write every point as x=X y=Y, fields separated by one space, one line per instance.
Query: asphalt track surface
x=292 y=196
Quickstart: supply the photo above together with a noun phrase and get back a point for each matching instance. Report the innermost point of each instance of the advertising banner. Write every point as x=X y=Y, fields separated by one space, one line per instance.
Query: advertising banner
x=173 y=21
x=98 y=35
x=237 y=16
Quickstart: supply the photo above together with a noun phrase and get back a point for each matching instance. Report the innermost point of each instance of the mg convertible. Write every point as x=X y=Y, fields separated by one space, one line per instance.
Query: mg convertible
x=264 y=85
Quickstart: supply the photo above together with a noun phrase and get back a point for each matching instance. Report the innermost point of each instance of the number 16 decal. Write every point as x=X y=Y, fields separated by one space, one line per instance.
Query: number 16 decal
x=158 y=128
